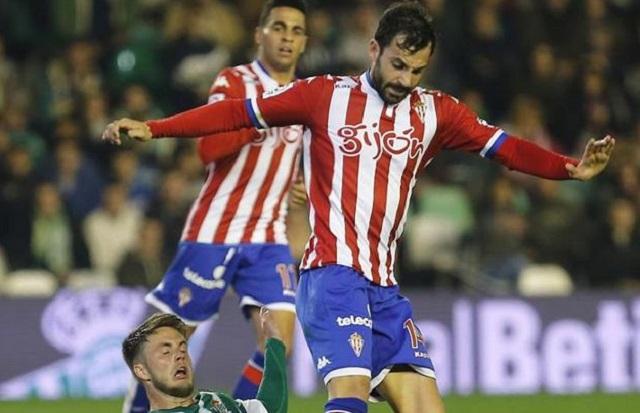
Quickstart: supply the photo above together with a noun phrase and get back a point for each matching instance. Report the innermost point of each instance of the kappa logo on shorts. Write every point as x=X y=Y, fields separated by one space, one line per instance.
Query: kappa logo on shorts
x=357 y=343
x=184 y=296
x=323 y=362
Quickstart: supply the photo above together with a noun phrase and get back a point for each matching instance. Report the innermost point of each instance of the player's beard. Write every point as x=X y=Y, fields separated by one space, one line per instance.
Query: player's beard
x=381 y=86
x=184 y=390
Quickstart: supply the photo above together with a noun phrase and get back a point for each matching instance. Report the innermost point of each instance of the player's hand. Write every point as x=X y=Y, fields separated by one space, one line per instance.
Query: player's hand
x=298 y=194
x=594 y=160
x=269 y=326
x=132 y=128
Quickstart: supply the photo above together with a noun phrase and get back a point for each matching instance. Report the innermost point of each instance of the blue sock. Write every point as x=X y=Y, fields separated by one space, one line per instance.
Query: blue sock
x=345 y=405
x=136 y=400
x=247 y=386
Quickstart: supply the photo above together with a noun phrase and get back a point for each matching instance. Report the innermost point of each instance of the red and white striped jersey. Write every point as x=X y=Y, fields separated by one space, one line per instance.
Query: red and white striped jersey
x=249 y=172
x=361 y=157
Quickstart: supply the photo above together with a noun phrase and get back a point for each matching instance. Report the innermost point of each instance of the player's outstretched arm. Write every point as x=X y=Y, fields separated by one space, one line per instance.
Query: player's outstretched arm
x=287 y=106
x=594 y=159
x=461 y=129
x=273 y=391
x=224 y=116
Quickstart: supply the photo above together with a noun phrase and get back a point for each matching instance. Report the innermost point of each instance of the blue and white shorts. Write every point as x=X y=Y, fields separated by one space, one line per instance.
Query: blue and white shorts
x=355 y=327
x=198 y=277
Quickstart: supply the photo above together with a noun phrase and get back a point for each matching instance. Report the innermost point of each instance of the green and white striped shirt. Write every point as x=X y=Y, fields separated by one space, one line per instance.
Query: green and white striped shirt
x=272 y=396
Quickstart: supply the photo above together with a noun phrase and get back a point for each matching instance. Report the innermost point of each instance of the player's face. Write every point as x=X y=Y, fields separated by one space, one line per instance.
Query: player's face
x=283 y=38
x=168 y=362
x=396 y=71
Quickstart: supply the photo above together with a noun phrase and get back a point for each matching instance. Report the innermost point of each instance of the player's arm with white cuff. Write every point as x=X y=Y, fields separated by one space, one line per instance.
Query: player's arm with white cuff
x=273 y=392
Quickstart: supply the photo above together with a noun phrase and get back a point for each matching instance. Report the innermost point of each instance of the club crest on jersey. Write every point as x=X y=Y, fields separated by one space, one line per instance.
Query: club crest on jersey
x=184 y=296
x=420 y=106
x=356 y=137
x=357 y=343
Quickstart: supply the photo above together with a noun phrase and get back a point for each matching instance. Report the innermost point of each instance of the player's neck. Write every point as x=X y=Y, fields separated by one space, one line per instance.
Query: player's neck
x=160 y=401
x=281 y=76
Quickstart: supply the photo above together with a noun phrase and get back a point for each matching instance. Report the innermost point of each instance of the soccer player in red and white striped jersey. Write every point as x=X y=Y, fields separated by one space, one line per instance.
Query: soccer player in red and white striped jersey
x=235 y=233
x=365 y=140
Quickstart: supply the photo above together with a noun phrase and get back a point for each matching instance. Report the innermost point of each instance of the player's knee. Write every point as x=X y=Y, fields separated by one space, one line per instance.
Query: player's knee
x=349 y=386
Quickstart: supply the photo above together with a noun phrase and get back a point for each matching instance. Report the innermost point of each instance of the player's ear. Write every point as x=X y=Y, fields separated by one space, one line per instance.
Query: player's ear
x=257 y=36
x=141 y=373
x=304 y=44
x=374 y=50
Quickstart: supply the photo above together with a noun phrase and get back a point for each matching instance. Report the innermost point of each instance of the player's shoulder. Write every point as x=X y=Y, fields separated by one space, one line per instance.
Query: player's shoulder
x=336 y=82
x=243 y=72
x=231 y=81
x=345 y=82
x=439 y=97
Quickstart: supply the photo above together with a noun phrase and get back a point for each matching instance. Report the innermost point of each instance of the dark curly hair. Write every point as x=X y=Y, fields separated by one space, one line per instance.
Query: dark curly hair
x=410 y=19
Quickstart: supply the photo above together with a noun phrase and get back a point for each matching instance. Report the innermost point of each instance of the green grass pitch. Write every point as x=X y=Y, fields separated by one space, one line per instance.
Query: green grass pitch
x=591 y=403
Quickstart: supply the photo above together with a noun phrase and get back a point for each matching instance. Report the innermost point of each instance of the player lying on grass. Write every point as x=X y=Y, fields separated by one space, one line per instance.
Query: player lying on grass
x=156 y=353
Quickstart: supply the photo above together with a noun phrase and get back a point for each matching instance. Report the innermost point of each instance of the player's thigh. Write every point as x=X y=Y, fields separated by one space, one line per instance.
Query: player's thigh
x=284 y=320
x=195 y=282
x=333 y=308
x=410 y=392
x=396 y=338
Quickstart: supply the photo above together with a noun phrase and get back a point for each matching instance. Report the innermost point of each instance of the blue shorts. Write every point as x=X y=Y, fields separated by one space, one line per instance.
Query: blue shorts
x=354 y=327
x=198 y=277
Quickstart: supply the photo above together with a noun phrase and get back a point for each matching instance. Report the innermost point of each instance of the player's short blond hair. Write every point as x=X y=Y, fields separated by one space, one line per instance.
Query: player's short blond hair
x=132 y=345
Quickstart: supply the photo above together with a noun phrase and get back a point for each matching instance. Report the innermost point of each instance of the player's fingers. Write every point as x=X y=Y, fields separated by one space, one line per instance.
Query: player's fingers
x=611 y=144
x=589 y=149
x=111 y=133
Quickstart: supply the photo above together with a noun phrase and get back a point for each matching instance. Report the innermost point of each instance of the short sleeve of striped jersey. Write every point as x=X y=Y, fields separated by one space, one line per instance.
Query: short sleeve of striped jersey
x=459 y=128
x=227 y=85
x=291 y=104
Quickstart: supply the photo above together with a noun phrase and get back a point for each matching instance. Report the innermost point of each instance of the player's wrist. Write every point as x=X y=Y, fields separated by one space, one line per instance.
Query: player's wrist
x=153 y=127
x=275 y=342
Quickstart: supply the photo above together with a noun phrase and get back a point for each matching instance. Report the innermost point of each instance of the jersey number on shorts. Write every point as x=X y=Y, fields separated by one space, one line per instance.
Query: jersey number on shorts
x=414 y=333
x=287 y=275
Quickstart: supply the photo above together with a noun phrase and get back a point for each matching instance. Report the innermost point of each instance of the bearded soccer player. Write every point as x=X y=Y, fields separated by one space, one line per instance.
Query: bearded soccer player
x=156 y=353
x=365 y=141
x=235 y=232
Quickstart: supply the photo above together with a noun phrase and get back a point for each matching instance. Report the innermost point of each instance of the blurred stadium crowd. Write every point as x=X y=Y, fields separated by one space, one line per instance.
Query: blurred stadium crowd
x=554 y=71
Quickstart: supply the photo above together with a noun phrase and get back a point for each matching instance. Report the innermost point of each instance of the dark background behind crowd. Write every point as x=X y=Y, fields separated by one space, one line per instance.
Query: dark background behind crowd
x=557 y=72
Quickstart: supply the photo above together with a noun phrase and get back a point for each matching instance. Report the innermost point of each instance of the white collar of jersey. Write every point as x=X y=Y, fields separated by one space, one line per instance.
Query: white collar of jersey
x=267 y=81
x=369 y=89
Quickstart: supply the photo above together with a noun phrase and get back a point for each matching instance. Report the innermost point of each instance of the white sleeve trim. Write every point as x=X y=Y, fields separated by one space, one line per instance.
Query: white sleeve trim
x=253 y=406
x=491 y=142
x=256 y=111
